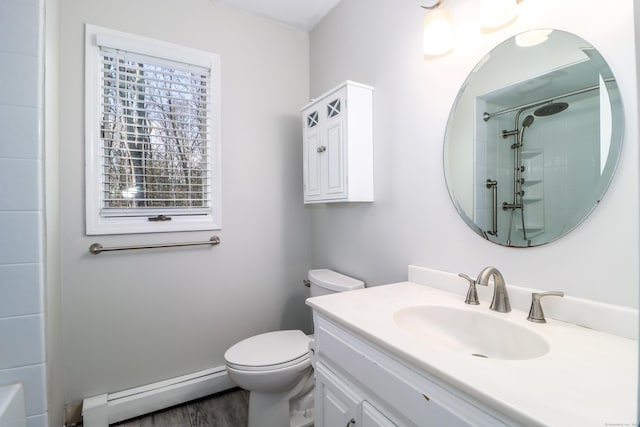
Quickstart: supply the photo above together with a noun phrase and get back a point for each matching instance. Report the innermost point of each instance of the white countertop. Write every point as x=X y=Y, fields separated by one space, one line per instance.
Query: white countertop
x=588 y=378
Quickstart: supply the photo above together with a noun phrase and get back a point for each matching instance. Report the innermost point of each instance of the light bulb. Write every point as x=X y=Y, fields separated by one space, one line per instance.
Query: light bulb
x=438 y=32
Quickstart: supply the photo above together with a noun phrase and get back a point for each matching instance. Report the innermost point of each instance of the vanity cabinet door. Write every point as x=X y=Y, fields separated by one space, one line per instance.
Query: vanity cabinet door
x=336 y=404
x=371 y=417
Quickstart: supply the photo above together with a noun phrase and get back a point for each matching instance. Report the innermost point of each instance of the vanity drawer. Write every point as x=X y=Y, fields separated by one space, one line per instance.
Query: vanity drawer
x=406 y=393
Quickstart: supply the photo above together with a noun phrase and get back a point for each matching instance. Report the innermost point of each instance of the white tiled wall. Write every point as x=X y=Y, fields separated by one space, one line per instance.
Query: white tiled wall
x=22 y=347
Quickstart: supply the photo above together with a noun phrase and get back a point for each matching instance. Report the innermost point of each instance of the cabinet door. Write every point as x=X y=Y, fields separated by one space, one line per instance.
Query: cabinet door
x=311 y=152
x=371 y=417
x=334 y=139
x=336 y=404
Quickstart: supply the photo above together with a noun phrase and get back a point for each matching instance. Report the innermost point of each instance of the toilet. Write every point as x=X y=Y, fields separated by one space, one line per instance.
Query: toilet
x=275 y=367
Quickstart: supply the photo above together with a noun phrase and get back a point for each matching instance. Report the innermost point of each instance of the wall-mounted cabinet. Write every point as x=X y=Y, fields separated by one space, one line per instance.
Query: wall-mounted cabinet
x=338 y=145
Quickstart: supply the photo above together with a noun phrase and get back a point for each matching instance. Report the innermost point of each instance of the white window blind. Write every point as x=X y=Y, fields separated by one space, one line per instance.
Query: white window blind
x=154 y=136
x=152 y=123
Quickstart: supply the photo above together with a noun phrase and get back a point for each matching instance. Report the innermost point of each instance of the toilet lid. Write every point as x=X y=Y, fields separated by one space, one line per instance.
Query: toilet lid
x=272 y=348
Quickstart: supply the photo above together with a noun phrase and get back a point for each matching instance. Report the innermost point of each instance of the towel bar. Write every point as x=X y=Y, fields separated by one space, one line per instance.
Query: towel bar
x=97 y=248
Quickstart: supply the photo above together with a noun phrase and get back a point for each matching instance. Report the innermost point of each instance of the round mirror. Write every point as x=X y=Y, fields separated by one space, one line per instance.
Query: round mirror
x=533 y=138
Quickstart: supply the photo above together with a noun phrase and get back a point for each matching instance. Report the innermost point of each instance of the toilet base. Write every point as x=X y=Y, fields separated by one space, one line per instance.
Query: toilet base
x=302 y=410
x=275 y=409
x=302 y=419
x=270 y=411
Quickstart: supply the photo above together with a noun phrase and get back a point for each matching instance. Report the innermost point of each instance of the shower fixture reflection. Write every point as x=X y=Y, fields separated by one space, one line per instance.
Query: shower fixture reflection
x=518 y=168
x=517 y=203
x=550 y=109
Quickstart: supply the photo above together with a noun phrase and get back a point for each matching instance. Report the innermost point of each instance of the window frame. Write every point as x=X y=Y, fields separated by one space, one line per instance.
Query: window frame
x=98 y=224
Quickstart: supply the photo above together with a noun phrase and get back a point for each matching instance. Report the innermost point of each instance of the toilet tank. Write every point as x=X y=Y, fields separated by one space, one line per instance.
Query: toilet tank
x=324 y=282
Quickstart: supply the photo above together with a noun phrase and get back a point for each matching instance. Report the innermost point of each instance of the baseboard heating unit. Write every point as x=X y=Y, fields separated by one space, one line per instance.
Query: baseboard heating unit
x=105 y=409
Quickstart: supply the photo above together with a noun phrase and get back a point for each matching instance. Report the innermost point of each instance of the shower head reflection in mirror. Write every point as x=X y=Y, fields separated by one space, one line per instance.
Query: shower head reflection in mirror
x=573 y=122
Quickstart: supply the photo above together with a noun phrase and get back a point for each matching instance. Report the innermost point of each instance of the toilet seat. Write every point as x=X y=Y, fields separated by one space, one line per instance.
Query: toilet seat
x=269 y=351
x=300 y=360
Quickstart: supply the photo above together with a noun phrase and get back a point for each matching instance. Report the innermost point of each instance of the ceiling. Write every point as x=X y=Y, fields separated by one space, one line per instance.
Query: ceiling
x=302 y=14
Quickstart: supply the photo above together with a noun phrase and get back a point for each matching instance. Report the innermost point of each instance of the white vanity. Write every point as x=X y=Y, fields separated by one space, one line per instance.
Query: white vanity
x=413 y=354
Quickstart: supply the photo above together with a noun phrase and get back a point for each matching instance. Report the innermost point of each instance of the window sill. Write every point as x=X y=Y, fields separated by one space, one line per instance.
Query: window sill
x=104 y=226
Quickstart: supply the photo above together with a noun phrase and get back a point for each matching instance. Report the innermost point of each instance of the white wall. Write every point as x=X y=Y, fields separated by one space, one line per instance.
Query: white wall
x=22 y=343
x=132 y=318
x=378 y=42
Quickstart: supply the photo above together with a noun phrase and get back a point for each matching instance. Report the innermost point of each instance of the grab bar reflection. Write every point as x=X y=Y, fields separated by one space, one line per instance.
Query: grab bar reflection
x=97 y=248
x=493 y=185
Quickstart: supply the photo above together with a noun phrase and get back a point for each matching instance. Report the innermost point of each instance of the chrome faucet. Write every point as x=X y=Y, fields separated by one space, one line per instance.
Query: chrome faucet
x=500 y=301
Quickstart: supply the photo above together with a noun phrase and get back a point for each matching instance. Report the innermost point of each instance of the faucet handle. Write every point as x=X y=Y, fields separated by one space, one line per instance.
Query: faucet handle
x=535 y=312
x=472 y=294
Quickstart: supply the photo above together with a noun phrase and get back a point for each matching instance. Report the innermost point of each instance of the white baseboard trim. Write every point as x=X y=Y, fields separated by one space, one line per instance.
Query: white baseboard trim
x=105 y=409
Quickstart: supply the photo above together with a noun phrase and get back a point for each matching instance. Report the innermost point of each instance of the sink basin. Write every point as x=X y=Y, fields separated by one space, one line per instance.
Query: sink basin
x=471 y=332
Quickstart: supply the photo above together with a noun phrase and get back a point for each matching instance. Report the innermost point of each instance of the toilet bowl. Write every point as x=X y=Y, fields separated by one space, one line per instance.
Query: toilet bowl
x=275 y=367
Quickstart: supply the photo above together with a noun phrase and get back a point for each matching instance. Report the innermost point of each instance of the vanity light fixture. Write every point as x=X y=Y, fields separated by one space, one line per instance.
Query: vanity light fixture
x=438 y=31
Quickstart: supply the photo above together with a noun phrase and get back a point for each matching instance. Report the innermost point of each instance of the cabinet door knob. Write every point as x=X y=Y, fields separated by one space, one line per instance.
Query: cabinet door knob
x=321 y=149
x=351 y=422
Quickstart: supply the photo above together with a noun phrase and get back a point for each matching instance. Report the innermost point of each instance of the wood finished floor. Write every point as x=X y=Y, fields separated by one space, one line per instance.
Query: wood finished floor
x=226 y=409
